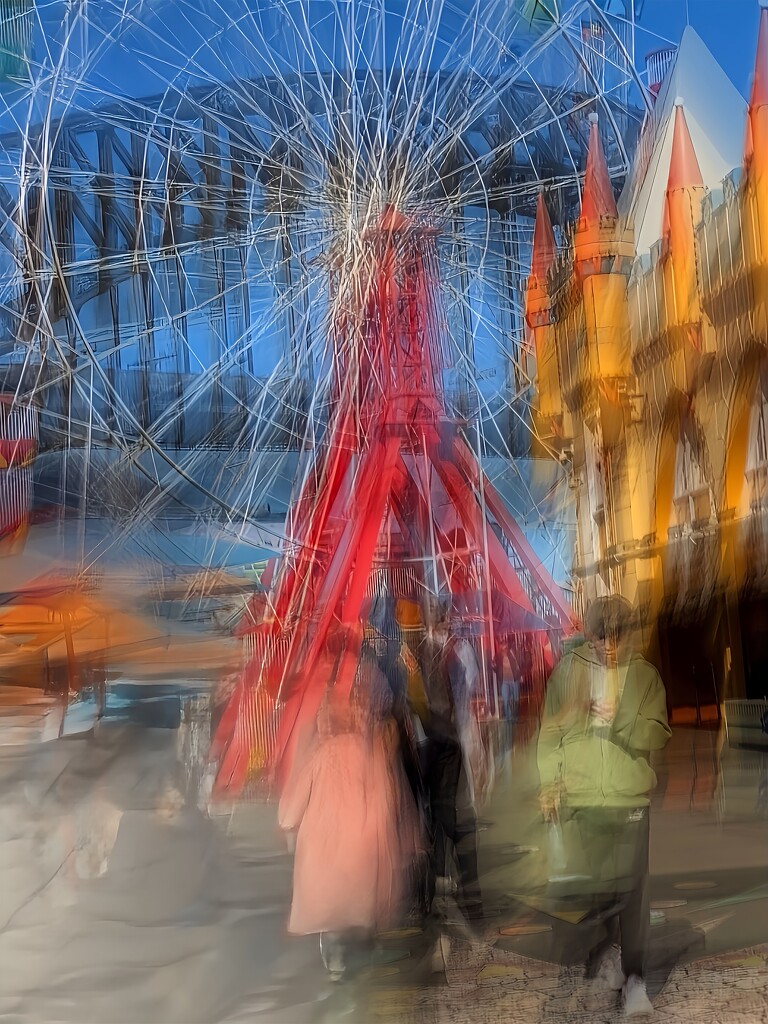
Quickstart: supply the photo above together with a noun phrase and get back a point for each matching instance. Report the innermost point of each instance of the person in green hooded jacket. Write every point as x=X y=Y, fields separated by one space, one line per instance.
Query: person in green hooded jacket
x=605 y=712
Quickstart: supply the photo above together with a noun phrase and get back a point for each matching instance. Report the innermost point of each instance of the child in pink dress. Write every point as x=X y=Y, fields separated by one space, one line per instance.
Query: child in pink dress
x=355 y=822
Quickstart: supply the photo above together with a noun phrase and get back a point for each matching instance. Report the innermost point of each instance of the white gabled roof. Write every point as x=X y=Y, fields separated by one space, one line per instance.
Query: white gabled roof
x=716 y=115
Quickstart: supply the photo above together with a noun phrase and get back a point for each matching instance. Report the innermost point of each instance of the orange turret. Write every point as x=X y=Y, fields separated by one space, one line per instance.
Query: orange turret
x=756 y=145
x=756 y=164
x=603 y=251
x=597 y=199
x=538 y=316
x=537 y=302
x=596 y=232
x=682 y=212
x=684 y=170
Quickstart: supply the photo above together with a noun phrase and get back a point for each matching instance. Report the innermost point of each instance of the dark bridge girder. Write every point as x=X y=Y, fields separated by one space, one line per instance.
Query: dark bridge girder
x=138 y=180
x=137 y=176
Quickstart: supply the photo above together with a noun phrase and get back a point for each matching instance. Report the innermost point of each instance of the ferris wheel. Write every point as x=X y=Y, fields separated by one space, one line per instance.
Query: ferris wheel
x=187 y=188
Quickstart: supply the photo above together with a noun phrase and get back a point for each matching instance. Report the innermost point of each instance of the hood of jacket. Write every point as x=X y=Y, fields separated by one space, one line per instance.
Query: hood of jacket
x=602 y=765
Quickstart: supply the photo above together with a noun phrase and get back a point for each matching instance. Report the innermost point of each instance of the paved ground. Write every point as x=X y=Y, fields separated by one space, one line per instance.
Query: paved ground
x=709 y=950
x=118 y=907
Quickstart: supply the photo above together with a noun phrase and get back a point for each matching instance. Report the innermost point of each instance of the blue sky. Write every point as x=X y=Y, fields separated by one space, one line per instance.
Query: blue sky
x=728 y=27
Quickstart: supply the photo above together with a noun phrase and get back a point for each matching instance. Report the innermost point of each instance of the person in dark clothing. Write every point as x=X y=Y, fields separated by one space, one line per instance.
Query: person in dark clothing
x=510 y=688
x=444 y=758
x=386 y=643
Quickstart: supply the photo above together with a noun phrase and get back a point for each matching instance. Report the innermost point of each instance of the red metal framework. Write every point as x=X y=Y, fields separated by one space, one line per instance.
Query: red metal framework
x=395 y=476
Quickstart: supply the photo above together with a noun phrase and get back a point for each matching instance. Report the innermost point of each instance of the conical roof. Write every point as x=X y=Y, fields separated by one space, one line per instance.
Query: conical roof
x=758 y=96
x=684 y=170
x=682 y=206
x=544 y=247
x=597 y=199
x=714 y=113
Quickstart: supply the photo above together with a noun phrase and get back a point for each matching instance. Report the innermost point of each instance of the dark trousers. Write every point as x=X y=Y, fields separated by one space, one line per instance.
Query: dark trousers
x=615 y=844
x=452 y=821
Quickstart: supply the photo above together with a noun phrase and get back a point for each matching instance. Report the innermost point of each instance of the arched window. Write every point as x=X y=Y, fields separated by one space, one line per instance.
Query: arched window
x=754 y=503
x=757 y=453
x=693 y=502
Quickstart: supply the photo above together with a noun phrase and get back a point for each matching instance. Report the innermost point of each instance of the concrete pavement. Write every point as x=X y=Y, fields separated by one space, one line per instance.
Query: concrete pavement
x=162 y=917
x=709 y=935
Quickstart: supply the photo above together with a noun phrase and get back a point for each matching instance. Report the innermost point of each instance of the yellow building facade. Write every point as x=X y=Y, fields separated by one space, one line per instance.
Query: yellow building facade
x=652 y=389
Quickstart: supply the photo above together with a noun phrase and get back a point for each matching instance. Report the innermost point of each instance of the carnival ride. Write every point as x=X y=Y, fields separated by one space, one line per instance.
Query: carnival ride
x=247 y=259
x=396 y=476
x=168 y=206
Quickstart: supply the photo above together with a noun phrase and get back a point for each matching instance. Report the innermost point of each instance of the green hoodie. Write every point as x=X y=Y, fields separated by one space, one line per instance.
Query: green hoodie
x=604 y=766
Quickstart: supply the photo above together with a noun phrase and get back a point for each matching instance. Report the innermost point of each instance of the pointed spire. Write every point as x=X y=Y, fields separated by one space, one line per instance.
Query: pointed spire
x=684 y=170
x=544 y=248
x=537 y=300
x=682 y=209
x=597 y=199
x=758 y=97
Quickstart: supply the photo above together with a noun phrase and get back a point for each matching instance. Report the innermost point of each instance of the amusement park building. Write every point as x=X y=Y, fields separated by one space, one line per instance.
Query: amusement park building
x=652 y=377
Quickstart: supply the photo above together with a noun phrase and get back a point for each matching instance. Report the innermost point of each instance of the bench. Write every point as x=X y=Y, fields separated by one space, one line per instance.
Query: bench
x=746 y=723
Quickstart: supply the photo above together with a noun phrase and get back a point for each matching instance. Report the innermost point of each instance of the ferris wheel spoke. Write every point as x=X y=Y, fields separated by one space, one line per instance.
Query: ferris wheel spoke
x=230 y=241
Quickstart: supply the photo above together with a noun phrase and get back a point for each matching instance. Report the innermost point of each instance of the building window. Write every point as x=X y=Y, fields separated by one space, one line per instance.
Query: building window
x=757 y=453
x=693 y=504
x=756 y=474
x=595 y=493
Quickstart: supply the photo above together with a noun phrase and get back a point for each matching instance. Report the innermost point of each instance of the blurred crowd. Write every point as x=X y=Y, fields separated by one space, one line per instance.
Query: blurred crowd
x=384 y=791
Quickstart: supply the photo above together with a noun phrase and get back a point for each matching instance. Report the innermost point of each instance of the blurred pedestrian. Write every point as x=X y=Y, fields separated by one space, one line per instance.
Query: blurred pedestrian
x=354 y=819
x=605 y=711
x=510 y=689
x=453 y=768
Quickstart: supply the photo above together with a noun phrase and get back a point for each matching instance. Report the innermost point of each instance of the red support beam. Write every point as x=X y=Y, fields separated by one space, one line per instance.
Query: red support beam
x=467 y=463
x=383 y=446
x=465 y=502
